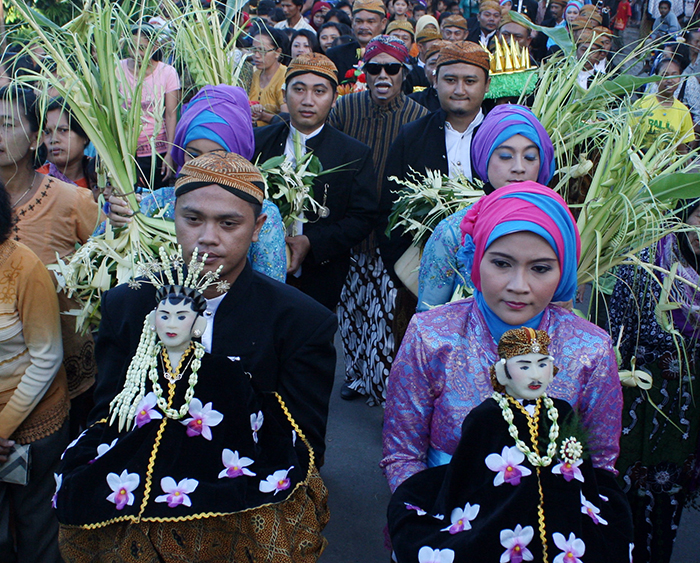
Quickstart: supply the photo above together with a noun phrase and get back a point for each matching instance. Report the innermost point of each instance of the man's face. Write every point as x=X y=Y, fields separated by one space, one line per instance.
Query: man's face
x=290 y=9
x=405 y=36
x=489 y=20
x=218 y=223
x=592 y=58
x=430 y=67
x=367 y=25
x=694 y=44
x=454 y=34
x=461 y=88
x=664 y=10
x=423 y=48
x=670 y=72
x=517 y=32
x=556 y=10
x=384 y=87
x=327 y=36
x=309 y=99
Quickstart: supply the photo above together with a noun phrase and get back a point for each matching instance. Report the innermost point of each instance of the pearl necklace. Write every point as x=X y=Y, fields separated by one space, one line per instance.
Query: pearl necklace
x=553 y=415
x=192 y=381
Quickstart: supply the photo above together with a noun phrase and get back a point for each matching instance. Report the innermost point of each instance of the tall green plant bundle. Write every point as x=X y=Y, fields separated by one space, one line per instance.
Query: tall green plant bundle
x=86 y=53
x=597 y=137
x=205 y=43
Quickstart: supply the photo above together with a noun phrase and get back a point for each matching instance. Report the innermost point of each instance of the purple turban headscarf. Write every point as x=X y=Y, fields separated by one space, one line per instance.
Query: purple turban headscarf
x=504 y=122
x=220 y=114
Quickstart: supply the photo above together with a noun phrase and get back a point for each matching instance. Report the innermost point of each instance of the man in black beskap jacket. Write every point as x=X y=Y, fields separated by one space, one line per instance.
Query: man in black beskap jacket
x=439 y=141
x=283 y=338
x=320 y=255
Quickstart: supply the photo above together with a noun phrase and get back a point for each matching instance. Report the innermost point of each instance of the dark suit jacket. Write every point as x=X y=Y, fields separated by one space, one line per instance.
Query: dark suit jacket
x=283 y=337
x=427 y=98
x=344 y=57
x=420 y=145
x=349 y=195
x=415 y=77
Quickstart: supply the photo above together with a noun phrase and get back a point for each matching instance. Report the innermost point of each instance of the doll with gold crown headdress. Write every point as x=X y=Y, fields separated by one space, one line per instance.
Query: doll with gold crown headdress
x=520 y=486
x=190 y=449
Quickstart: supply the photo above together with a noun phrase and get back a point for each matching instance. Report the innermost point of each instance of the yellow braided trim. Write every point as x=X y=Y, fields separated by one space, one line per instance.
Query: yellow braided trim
x=203 y=515
x=532 y=424
x=540 y=519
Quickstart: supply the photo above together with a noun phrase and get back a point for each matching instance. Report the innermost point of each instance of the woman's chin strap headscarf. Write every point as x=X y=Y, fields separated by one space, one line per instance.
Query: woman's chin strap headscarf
x=524 y=207
x=504 y=122
x=220 y=114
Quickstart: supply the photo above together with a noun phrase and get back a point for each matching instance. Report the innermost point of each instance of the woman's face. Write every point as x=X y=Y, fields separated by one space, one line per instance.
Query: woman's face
x=694 y=220
x=519 y=275
x=327 y=36
x=572 y=13
x=318 y=17
x=300 y=46
x=139 y=47
x=198 y=147
x=265 y=55
x=174 y=324
x=400 y=7
x=16 y=139
x=63 y=145
x=516 y=160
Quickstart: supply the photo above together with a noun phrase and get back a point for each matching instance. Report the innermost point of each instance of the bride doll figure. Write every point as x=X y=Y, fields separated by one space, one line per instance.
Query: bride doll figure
x=520 y=486
x=193 y=463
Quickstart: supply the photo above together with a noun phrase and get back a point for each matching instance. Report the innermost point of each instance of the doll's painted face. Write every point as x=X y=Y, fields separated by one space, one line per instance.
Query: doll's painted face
x=174 y=324
x=526 y=376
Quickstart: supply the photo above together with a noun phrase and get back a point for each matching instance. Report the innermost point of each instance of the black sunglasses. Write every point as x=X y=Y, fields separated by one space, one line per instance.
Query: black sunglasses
x=374 y=69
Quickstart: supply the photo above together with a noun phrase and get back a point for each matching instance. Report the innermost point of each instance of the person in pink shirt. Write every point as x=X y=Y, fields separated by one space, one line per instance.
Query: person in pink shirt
x=160 y=95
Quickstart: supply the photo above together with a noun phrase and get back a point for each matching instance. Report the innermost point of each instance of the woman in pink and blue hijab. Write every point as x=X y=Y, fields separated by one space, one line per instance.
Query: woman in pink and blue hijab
x=520 y=208
x=510 y=145
x=525 y=250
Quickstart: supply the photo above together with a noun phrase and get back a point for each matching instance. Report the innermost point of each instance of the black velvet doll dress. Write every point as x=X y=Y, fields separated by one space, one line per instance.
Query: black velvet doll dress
x=490 y=503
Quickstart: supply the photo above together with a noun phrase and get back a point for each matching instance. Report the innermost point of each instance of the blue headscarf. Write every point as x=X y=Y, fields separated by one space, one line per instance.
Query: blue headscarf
x=502 y=123
x=523 y=207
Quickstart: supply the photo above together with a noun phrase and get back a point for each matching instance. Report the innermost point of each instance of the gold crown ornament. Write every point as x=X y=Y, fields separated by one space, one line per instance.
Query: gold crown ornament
x=512 y=73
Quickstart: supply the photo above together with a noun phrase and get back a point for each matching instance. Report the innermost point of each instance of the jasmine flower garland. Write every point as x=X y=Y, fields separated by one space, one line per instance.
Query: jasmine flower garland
x=553 y=415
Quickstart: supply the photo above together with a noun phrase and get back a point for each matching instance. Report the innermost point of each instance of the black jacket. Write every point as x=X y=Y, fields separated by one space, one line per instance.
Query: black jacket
x=349 y=195
x=420 y=145
x=283 y=338
x=427 y=98
x=344 y=57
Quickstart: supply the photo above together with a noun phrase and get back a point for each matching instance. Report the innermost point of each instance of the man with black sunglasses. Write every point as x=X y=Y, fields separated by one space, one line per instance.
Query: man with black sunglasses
x=441 y=140
x=373 y=117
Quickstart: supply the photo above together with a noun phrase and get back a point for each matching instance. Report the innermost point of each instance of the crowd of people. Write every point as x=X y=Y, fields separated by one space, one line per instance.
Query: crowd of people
x=209 y=382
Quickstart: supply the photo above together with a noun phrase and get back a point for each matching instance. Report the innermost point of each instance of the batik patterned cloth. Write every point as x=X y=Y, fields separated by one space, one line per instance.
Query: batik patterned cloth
x=442 y=372
x=367 y=300
x=277 y=533
x=660 y=427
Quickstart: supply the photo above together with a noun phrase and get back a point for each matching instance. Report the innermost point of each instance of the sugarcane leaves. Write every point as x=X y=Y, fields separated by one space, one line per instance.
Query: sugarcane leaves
x=620 y=86
x=560 y=35
x=681 y=185
x=424 y=201
x=290 y=186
